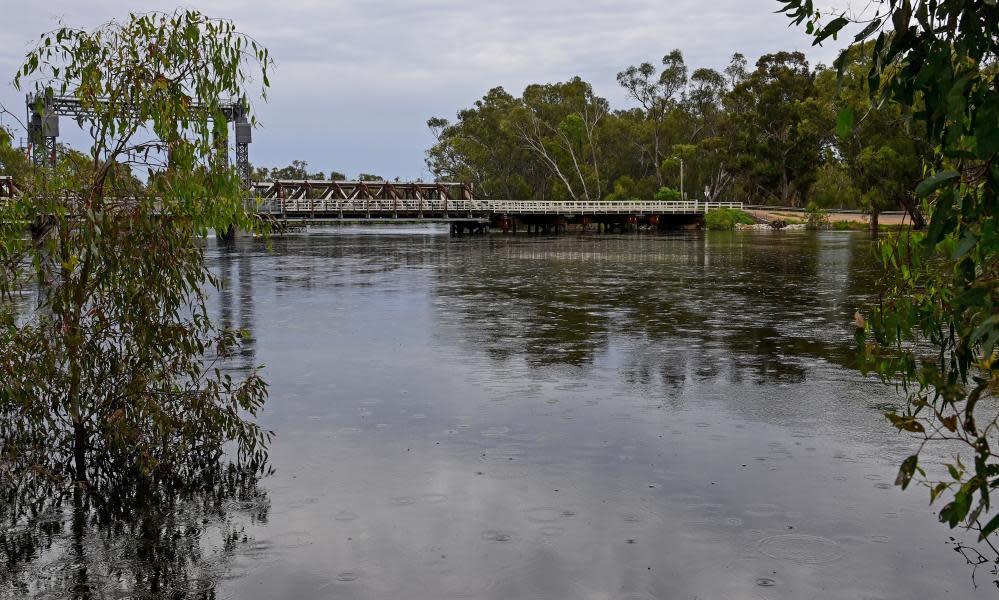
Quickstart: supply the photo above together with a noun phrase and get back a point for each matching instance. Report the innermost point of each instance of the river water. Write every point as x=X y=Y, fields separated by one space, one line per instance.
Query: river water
x=574 y=417
x=598 y=417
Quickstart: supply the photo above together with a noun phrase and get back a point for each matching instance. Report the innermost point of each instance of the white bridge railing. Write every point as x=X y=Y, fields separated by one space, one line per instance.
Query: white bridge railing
x=305 y=207
x=631 y=207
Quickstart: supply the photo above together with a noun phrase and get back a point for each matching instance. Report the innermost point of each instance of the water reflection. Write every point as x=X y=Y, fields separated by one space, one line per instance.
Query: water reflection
x=696 y=306
x=136 y=542
x=236 y=294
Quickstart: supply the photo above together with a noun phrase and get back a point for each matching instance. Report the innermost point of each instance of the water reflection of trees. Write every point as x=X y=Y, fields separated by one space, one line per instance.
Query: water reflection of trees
x=236 y=295
x=138 y=541
x=740 y=307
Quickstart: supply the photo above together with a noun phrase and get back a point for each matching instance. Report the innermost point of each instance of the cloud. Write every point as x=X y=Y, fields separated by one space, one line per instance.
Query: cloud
x=356 y=81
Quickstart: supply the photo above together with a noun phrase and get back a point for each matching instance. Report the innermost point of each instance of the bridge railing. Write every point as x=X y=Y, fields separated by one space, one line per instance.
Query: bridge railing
x=303 y=206
x=600 y=207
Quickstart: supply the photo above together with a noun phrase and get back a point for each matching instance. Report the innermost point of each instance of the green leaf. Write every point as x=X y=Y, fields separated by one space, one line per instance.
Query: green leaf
x=844 y=122
x=987 y=127
x=831 y=29
x=871 y=28
x=965 y=245
x=991 y=526
x=935 y=182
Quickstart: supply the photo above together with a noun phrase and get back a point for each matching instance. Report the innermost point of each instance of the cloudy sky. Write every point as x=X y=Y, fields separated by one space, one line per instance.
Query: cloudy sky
x=355 y=81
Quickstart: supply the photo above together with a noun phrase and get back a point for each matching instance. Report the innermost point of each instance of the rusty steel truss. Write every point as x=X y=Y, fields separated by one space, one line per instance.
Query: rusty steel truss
x=289 y=189
x=344 y=199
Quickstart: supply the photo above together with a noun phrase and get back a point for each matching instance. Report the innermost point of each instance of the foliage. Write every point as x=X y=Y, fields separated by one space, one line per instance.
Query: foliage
x=936 y=327
x=726 y=219
x=625 y=188
x=764 y=135
x=13 y=162
x=659 y=96
x=879 y=145
x=110 y=375
x=668 y=193
x=298 y=169
x=816 y=217
x=781 y=126
x=834 y=187
x=848 y=225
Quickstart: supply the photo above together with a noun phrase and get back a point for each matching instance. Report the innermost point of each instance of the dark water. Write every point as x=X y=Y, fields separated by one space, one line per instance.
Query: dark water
x=616 y=417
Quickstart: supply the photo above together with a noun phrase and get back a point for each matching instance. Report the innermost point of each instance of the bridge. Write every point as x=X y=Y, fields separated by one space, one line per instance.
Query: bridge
x=316 y=202
x=312 y=202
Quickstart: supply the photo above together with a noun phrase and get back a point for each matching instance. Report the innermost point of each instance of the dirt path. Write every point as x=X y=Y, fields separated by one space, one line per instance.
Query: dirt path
x=772 y=214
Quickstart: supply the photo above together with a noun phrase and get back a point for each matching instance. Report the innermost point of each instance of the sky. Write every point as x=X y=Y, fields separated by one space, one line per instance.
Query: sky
x=355 y=82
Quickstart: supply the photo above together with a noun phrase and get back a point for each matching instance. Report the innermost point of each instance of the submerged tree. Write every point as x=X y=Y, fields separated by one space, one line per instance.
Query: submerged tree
x=935 y=330
x=111 y=372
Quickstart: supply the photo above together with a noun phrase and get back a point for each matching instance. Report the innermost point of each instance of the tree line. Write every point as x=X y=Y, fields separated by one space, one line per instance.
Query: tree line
x=299 y=169
x=766 y=135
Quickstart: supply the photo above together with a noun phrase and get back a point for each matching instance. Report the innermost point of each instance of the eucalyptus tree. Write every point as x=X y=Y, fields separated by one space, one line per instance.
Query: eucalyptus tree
x=110 y=376
x=935 y=330
x=780 y=127
x=659 y=93
x=884 y=149
x=482 y=147
x=559 y=124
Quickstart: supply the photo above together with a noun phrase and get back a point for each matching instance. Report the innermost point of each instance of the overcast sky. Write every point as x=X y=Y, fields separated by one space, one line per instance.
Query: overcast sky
x=356 y=81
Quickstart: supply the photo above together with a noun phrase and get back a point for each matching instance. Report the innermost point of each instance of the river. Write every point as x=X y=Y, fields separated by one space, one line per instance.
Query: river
x=575 y=417
x=612 y=417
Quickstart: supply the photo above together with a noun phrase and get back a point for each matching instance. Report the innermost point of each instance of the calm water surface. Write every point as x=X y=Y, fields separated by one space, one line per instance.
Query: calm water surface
x=616 y=417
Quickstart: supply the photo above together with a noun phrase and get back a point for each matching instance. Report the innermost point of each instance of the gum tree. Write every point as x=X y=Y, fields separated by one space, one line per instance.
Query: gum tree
x=935 y=328
x=110 y=367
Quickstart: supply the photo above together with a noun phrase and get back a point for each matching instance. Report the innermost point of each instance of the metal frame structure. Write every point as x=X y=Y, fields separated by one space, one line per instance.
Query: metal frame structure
x=298 y=189
x=44 y=110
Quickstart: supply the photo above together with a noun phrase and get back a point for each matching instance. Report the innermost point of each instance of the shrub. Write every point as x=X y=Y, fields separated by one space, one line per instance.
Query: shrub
x=668 y=193
x=726 y=219
x=816 y=217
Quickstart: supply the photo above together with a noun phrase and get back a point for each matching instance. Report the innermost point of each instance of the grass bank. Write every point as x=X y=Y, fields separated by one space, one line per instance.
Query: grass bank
x=725 y=219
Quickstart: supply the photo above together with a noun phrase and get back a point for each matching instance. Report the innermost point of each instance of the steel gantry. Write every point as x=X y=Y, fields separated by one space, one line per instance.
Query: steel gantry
x=44 y=110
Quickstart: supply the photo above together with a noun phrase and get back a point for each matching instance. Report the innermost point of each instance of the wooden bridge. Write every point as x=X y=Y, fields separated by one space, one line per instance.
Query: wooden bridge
x=313 y=201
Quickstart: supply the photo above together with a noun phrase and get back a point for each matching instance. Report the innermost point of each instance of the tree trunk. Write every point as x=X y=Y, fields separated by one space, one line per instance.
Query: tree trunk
x=81 y=579
x=918 y=220
x=874 y=223
x=80 y=451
